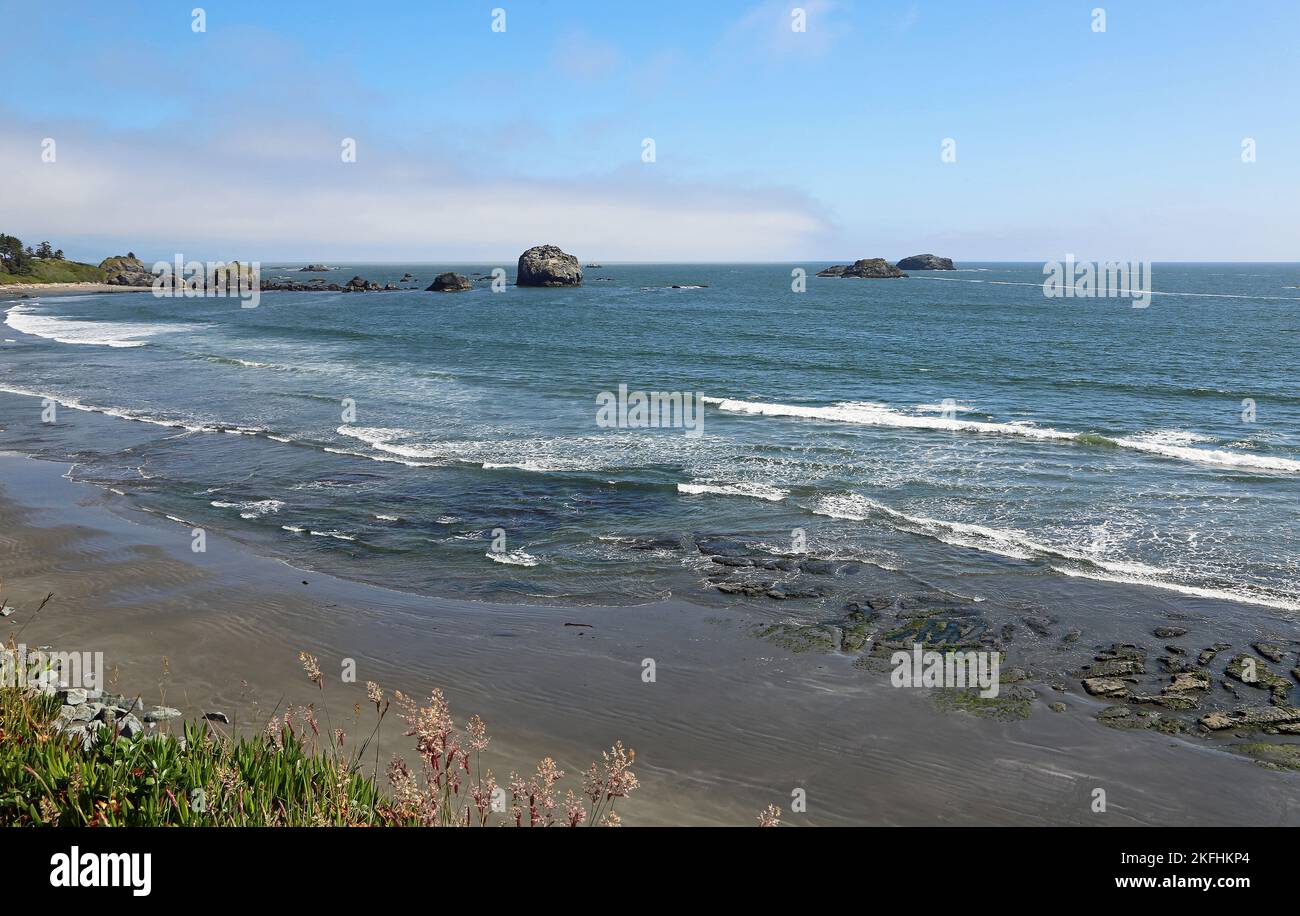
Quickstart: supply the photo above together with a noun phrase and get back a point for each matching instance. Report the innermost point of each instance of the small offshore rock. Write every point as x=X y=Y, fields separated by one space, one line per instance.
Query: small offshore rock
x=1188 y=680
x=1207 y=655
x=1113 y=667
x=1105 y=687
x=1254 y=716
x=1271 y=651
x=449 y=283
x=1169 y=632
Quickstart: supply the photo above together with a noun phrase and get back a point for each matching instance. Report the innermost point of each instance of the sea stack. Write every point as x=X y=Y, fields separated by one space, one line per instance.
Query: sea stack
x=449 y=283
x=865 y=269
x=926 y=262
x=547 y=265
x=126 y=270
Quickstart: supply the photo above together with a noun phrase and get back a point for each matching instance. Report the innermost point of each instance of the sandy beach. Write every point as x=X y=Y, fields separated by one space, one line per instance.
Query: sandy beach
x=730 y=724
x=16 y=290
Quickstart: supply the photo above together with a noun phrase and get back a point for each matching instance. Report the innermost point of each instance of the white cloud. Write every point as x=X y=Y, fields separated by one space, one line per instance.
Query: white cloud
x=282 y=191
x=765 y=29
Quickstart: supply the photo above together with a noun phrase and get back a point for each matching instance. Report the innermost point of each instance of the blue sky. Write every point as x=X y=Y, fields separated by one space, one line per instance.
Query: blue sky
x=770 y=144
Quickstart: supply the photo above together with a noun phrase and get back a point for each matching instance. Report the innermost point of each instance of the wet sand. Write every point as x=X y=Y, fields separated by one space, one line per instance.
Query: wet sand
x=730 y=724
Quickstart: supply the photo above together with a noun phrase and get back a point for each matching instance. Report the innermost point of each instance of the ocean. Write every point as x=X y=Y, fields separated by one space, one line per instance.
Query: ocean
x=956 y=430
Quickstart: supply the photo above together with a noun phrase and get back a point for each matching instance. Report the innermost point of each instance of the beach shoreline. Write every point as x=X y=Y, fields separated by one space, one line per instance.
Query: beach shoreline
x=35 y=290
x=729 y=724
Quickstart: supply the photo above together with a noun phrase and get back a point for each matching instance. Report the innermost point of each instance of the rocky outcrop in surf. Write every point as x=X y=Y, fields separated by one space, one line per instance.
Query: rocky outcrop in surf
x=926 y=262
x=547 y=265
x=865 y=269
x=360 y=285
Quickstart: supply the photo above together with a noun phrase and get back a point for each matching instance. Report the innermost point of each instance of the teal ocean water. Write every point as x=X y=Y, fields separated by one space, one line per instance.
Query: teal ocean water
x=937 y=428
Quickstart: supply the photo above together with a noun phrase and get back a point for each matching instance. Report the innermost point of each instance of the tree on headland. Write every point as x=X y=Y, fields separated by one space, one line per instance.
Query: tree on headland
x=44 y=251
x=12 y=257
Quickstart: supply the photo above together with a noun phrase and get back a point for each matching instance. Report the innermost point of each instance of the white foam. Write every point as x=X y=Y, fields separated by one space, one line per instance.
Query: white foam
x=382 y=439
x=520 y=466
x=253 y=508
x=940 y=408
x=339 y=535
x=757 y=490
x=1168 y=437
x=1213 y=456
x=869 y=413
x=1007 y=542
x=872 y=414
x=512 y=558
x=119 y=334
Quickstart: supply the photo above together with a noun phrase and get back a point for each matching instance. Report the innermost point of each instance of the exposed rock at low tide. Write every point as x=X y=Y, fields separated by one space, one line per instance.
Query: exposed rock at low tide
x=1252 y=717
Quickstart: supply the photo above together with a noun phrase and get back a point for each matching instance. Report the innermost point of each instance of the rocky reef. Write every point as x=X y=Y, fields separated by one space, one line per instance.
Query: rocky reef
x=1178 y=674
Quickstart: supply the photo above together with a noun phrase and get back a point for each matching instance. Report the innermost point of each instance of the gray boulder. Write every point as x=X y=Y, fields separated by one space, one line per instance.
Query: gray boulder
x=547 y=265
x=925 y=262
x=449 y=283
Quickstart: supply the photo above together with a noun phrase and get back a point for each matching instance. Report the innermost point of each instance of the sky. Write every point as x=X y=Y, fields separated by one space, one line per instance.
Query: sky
x=770 y=144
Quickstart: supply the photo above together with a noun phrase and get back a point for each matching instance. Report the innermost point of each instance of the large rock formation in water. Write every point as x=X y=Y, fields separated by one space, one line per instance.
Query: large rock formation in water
x=126 y=270
x=865 y=269
x=547 y=265
x=926 y=262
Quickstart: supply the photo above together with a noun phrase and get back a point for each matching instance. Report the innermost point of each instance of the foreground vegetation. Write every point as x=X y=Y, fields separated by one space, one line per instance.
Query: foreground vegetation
x=291 y=774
